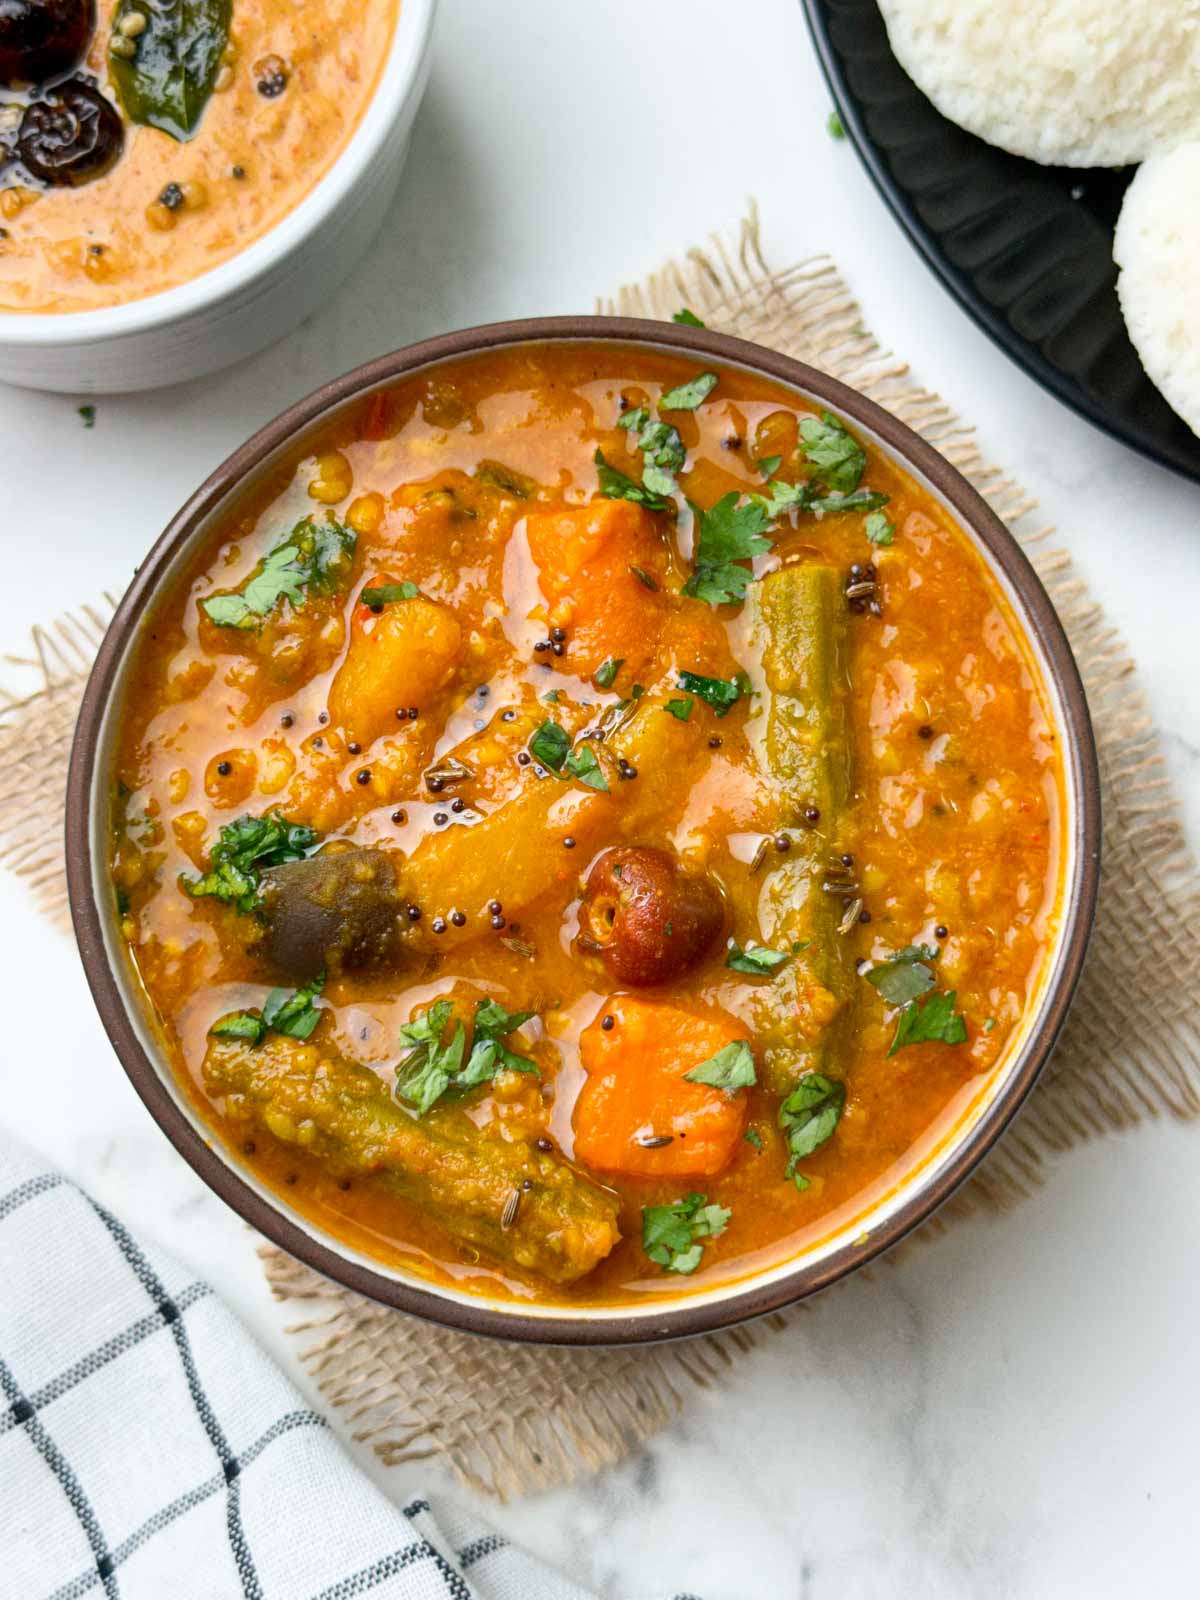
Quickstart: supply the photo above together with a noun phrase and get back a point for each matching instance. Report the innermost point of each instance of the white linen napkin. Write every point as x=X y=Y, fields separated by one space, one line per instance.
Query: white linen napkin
x=148 y=1447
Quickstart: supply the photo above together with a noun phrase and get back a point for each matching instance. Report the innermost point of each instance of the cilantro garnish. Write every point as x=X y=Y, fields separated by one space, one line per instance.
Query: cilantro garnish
x=87 y=415
x=290 y=1012
x=769 y=465
x=902 y=980
x=753 y=1137
x=832 y=449
x=829 y=505
x=904 y=977
x=833 y=126
x=687 y=396
x=808 y=1118
x=878 y=529
x=245 y=849
x=664 y=452
x=757 y=960
x=670 y=1232
x=434 y=1065
x=726 y=534
x=681 y=709
x=935 y=1021
x=605 y=674
x=719 y=693
x=731 y=1068
x=387 y=594
x=689 y=319
x=615 y=485
x=551 y=745
x=584 y=768
x=314 y=556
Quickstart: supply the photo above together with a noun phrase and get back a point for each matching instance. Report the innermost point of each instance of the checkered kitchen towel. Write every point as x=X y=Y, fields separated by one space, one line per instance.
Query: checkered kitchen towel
x=150 y=1451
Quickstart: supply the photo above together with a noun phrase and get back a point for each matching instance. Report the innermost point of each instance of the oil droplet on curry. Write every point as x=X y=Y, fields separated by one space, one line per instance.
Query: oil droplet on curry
x=592 y=831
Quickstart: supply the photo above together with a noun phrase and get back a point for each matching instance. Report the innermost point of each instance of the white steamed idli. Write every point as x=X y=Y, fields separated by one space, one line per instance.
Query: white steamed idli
x=1075 y=83
x=1157 y=248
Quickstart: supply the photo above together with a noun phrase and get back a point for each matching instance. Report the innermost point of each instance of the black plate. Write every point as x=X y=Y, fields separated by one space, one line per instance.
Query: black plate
x=1025 y=249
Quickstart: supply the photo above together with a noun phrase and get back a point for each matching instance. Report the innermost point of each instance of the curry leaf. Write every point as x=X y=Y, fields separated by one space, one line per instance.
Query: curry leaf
x=167 y=80
x=833 y=451
x=670 y=1233
x=731 y=1068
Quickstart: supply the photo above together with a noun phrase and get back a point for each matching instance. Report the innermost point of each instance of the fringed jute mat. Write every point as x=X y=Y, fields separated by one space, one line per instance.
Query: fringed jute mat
x=509 y=1419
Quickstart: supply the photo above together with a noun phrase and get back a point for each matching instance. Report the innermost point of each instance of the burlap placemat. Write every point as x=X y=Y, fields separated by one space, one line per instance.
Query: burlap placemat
x=509 y=1419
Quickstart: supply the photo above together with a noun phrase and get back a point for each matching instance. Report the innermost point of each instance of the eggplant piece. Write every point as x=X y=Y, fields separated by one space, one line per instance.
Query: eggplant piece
x=473 y=1184
x=341 y=910
x=805 y=756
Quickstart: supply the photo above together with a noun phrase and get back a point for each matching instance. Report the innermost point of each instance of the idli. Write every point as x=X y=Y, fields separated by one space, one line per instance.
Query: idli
x=1075 y=83
x=1157 y=248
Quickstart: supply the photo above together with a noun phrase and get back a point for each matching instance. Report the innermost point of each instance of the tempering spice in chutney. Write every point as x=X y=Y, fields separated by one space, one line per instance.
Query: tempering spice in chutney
x=590 y=828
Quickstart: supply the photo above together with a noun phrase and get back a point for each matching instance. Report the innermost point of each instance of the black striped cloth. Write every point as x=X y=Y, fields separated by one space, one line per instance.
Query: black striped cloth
x=149 y=1450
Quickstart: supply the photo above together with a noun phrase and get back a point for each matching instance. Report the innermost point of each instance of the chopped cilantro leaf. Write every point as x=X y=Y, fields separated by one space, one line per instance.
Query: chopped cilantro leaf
x=769 y=465
x=314 y=556
x=833 y=126
x=681 y=709
x=839 y=459
x=634 y=420
x=935 y=1021
x=670 y=1232
x=753 y=1137
x=605 y=674
x=904 y=977
x=244 y=849
x=551 y=697
x=88 y=415
x=687 y=396
x=615 y=485
x=285 y=1011
x=387 y=593
x=719 y=693
x=731 y=1068
x=878 y=529
x=726 y=534
x=830 y=505
x=989 y=1025
x=808 y=1118
x=757 y=960
x=689 y=319
x=550 y=745
x=294 y=1014
x=584 y=768
x=433 y=1066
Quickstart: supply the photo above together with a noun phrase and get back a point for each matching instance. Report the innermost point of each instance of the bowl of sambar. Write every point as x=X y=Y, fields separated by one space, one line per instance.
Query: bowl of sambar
x=584 y=829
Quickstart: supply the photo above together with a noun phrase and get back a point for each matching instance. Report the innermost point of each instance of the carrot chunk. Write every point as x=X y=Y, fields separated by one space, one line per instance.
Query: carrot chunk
x=636 y=1094
x=589 y=559
x=399 y=655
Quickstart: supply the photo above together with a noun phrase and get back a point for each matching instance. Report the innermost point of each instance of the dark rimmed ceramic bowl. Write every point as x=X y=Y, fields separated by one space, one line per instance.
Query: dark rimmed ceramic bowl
x=130 y=1025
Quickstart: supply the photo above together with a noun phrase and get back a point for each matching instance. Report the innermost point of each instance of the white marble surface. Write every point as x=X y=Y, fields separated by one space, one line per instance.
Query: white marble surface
x=1012 y=1411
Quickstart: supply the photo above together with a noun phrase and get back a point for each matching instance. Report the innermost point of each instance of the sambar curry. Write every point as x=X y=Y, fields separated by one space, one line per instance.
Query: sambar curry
x=589 y=827
x=143 y=142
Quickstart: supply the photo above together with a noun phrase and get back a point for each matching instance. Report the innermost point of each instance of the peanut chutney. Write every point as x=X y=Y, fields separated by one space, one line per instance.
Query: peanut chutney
x=590 y=829
x=182 y=134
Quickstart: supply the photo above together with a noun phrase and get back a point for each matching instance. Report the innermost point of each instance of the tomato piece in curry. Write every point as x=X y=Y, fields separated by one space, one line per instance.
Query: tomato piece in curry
x=590 y=829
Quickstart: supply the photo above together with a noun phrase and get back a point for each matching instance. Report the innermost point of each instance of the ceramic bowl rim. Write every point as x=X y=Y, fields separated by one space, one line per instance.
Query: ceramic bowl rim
x=701 y=1312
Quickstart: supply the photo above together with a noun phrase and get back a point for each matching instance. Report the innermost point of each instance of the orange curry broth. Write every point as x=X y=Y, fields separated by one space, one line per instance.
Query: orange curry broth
x=956 y=821
x=110 y=241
